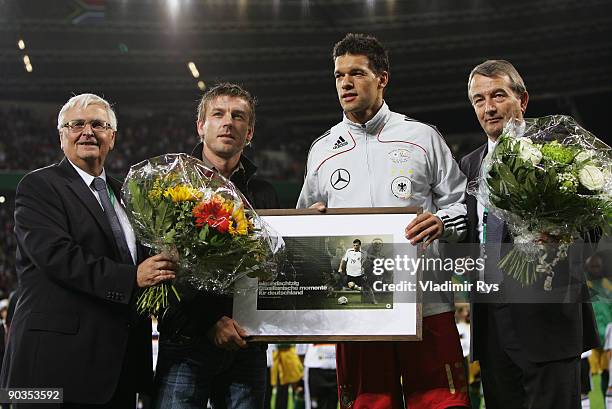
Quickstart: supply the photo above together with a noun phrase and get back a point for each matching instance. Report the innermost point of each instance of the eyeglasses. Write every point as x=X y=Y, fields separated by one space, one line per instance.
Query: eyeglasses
x=77 y=125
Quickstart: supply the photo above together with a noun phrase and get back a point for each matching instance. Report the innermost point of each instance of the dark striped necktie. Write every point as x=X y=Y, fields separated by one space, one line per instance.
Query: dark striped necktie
x=100 y=186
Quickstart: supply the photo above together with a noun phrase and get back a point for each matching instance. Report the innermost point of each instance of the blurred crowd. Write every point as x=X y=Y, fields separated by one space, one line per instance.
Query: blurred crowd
x=7 y=250
x=26 y=140
x=29 y=140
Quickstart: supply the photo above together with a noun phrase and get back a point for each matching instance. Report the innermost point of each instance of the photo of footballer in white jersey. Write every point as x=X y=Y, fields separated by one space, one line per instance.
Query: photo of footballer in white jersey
x=318 y=274
x=352 y=265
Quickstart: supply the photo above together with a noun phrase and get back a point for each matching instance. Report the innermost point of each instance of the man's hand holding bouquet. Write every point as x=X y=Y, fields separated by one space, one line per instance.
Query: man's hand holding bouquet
x=550 y=180
x=175 y=203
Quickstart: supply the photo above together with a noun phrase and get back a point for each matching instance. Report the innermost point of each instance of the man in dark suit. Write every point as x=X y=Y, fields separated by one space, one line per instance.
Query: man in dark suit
x=75 y=325
x=528 y=340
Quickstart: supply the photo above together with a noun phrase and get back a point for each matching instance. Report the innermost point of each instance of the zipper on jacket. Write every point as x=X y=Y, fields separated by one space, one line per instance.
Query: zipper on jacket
x=371 y=174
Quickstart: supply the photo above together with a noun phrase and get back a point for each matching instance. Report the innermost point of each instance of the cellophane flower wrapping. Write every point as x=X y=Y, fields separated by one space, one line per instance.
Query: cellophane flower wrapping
x=178 y=205
x=546 y=176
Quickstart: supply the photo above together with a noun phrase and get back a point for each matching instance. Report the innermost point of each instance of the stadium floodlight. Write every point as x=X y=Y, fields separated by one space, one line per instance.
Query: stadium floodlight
x=27 y=63
x=21 y=44
x=201 y=85
x=194 y=70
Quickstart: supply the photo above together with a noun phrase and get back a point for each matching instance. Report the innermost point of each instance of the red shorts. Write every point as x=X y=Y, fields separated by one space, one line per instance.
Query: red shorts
x=428 y=374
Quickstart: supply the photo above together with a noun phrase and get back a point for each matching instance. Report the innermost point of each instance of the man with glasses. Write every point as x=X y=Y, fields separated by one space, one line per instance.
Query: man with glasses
x=74 y=325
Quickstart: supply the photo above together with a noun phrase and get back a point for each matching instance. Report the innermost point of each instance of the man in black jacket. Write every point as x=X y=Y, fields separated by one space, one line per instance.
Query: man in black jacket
x=79 y=270
x=528 y=340
x=203 y=353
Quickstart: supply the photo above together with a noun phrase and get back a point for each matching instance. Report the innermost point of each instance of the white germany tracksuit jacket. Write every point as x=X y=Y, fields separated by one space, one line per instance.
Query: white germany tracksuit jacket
x=391 y=160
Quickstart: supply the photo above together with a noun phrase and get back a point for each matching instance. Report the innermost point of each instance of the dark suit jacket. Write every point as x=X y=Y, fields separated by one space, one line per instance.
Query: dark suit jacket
x=547 y=331
x=73 y=324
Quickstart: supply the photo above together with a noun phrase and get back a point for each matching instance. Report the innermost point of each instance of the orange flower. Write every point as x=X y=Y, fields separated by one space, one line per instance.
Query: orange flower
x=214 y=213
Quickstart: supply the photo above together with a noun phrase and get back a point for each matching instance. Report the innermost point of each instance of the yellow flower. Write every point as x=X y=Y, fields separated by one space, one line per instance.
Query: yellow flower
x=156 y=192
x=182 y=193
x=227 y=206
x=241 y=222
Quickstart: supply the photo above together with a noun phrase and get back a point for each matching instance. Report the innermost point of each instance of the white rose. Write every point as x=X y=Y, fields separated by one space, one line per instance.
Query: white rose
x=607 y=187
x=583 y=156
x=523 y=140
x=591 y=177
x=513 y=141
x=528 y=151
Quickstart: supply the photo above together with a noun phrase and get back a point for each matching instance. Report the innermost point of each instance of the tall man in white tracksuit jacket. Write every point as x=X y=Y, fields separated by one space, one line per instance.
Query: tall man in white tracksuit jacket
x=379 y=158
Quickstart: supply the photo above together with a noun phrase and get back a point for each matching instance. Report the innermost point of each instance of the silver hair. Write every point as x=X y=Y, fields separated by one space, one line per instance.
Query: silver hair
x=83 y=101
x=492 y=68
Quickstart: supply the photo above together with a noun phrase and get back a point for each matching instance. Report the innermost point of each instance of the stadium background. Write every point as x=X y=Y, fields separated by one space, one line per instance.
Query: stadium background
x=136 y=54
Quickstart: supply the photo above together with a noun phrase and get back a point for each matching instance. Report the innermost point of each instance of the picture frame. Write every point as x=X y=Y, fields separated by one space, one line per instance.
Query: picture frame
x=310 y=301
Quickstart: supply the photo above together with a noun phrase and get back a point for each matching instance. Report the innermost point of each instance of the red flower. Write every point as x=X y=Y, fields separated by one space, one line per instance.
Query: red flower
x=212 y=213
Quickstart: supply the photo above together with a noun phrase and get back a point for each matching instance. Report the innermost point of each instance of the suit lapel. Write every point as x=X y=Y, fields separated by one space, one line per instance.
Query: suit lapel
x=495 y=226
x=501 y=235
x=473 y=171
x=476 y=163
x=484 y=152
x=86 y=196
x=115 y=185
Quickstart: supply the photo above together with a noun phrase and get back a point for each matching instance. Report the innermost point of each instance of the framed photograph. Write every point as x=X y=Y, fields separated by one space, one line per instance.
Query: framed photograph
x=334 y=284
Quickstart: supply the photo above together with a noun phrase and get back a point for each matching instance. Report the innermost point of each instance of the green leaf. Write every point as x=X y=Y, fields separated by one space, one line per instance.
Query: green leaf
x=531 y=182
x=137 y=201
x=169 y=236
x=507 y=176
x=163 y=218
x=203 y=233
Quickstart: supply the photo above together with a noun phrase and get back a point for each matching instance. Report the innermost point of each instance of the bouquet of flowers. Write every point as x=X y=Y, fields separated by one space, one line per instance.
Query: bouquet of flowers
x=546 y=177
x=176 y=204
